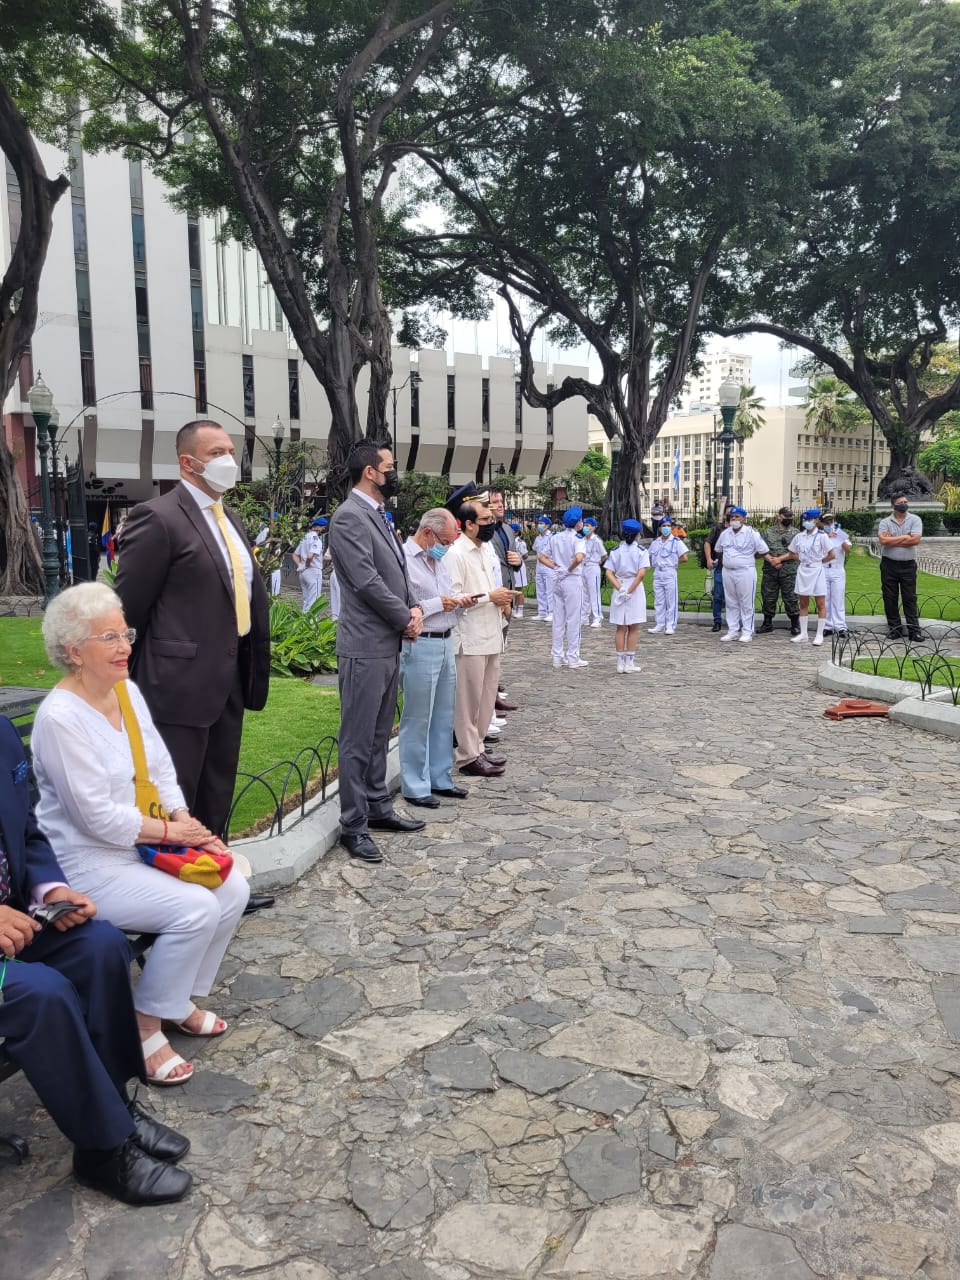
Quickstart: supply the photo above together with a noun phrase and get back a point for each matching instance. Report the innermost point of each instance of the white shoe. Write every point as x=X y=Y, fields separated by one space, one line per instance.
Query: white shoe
x=798 y=639
x=671 y=631
x=492 y=732
x=498 y=722
x=548 y=618
x=731 y=635
x=632 y=670
x=654 y=631
x=745 y=639
x=558 y=663
x=818 y=639
x=597 y=623
x=578 y=662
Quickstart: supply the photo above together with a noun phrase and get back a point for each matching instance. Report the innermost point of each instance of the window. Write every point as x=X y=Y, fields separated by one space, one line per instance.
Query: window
x=656 y=473
x=136 y=181
x=451 y=404
x=79 y=228
x=518 y=408
x=88 y=386
x=200 y=386
x=249 y=400
x=140 y=293
x=293 y=387
x=656 y=448
x=698 y=444
x=146 y=384
x=143 y=340
x=196 y=307
x=686 y=497
x=86 y=337
x=83 y=293
x=415 y=401
x=139 y=240
x=806 y=466
x=686 y=444
x=696 y=470
x=193 y=245
x=485 y=403
x=686 y=472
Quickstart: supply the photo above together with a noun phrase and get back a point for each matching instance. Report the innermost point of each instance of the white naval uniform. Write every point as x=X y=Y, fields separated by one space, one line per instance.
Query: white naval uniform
x=665 y=555
x=593 y=553
x=334 y=590
x=310 y=575
x=544 y=576
x=836 y=572
x=811 y=548
x=520 y=573
x=567 y=596
x=626 y=561
x=275 y=574
x=740 y=548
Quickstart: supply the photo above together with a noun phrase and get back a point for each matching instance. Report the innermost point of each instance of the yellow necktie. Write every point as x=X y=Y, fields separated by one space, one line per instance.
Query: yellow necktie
x=241 y=603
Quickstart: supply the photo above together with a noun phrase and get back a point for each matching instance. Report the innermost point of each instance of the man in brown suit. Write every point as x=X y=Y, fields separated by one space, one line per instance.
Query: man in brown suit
x=190 y=587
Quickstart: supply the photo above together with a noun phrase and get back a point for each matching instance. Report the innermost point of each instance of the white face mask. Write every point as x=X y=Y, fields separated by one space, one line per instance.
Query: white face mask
x=809 y=525
x=220 y=473
x=736 y=524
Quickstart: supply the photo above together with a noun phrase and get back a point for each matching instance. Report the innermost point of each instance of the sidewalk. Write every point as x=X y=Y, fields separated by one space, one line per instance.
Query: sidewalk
x=679 y=996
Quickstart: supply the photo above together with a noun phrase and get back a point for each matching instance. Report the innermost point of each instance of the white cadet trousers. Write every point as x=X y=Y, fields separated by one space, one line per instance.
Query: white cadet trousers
x=193 y=925
x=334 y=589
x=665 y=599
x=544 y=590
x=739 y=591
x=567 y=603
x=311 y=584
x=836 y=602
x=591 y=593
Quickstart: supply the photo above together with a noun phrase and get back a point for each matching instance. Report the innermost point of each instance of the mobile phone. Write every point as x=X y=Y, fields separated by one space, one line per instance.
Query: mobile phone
x=48 y=912
x=479 y=597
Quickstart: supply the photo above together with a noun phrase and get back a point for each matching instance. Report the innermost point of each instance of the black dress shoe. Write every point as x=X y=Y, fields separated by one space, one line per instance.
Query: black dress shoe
x=452 y=793
x=393 y=822
x=501 y=704
x=157 y=1139
x=794 y=626
x=482 y=768
x=717 y=626
x=491 y=738
x=258 y=902
x=131 y=1175
x=362 y=847
x=766 y=628
x=423 y=802
x=497 y=761
x=916 y=635
x=895 y=633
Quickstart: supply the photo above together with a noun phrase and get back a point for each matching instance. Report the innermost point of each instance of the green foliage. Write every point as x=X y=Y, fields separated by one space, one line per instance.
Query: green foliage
x=833 y=407
x=419 y=491
x=587 y=482
x=859 y=522
x=301 y=644
x=943 y=456
x=951 y=521
x=281 y=502
x=749 y=416
x=931 y=523
x=949 y=495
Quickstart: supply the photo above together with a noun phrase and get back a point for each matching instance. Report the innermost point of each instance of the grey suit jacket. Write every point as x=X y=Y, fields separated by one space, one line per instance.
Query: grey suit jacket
x=507 y=571
x=375 y=595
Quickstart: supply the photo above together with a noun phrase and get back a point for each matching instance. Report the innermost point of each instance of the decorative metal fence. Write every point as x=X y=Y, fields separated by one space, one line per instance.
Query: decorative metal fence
x=289 y=784
x=933 y=662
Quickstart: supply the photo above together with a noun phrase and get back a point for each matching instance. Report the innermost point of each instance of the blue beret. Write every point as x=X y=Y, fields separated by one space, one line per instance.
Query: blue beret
x=572 y=516
x=631 y=526
x=515 y=525
x=666 y=524
x=590 y=520
x=812 y=513
x=544 y=520
x=738 y=511
x=320 y=520
x=389 y=516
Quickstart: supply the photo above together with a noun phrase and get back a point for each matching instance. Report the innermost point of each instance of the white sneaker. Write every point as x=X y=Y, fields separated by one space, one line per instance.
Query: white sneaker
x=654 y=631
x=632 y=670
x=745 y=639
x=548 y=617
x=798 y=639
x=671 y=631
x=558 y=662
x=498 y=722
x=731 y=635
x=818 y=639
x=578 y=662
x=598 y=622
x=492 y=732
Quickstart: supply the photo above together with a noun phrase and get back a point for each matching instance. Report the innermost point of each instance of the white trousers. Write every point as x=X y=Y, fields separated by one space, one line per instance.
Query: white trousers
x=567 y=602
x=836 y=602
x=311 y=584
x=739 y=591
x=544 y=590
x=665 y=599
x=591 y=593
x=334 y=589
x=193 y=927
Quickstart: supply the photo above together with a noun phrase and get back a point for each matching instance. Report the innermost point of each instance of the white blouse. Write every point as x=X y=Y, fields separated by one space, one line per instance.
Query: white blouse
x=84 y=769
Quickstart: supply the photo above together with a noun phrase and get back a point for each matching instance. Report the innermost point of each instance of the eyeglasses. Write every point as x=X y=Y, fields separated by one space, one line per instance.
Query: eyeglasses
x=115 y=637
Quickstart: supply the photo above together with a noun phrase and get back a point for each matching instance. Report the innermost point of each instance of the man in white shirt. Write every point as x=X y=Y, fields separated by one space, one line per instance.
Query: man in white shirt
x=472 y=566
x=428 y=667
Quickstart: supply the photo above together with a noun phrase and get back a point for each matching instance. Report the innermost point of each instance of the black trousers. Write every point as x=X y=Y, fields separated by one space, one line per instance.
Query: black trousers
x=899 y=577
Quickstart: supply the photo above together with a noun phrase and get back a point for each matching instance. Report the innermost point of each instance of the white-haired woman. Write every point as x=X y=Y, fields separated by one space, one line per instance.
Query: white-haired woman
x=85 y=771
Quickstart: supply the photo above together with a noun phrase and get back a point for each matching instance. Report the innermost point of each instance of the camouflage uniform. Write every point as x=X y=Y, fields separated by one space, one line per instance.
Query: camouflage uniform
x=780 y=581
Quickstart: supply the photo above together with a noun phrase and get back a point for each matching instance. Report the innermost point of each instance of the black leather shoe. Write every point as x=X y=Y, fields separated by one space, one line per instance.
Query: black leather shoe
x=131 y=1175
x=157 y=1139
x=916 y=635
x=827 y=631
x=362 y=847
x=491 y=738
x=482 y=768
x=258 y=902
x=423 y=802
x=497 y=761
x=452 y=793
x=717 y=626
x=393 y=822
x=794 y=626
x=895 y=633
x=766 y=628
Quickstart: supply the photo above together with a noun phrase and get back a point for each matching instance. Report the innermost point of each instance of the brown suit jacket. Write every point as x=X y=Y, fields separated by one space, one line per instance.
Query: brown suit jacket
x=177 y=592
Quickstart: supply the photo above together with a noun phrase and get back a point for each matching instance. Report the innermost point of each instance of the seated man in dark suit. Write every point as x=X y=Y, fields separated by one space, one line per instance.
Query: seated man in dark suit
x=66 y=1010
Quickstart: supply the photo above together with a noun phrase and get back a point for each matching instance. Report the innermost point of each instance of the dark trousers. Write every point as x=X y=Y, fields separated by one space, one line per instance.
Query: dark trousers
x=206 y=761
x=718 y=597
x=779 y=582
x=899 y=576
x=68 y=1021
x=368 y=705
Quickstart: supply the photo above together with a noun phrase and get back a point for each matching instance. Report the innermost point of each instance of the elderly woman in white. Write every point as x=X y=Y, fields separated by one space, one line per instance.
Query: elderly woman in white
x=85 y=771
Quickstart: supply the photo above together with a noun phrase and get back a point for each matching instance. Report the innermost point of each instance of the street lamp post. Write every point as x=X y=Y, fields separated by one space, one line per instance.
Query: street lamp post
x=279 y=431
x=729 y=397
x=40 y=399
x=413 y=377
x=53 y=426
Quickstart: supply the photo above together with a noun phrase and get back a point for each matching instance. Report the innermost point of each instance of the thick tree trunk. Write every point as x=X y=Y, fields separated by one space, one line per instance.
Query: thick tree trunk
x=903 y=475
x=622 y=498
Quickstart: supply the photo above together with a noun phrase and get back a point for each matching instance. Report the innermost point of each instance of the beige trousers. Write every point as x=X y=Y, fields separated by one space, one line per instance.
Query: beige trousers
x=478 y=675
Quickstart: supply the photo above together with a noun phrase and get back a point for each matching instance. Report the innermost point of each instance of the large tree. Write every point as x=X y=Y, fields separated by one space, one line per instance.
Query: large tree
x=868 y=278
x=635 y=154
x=289 y=117
x=38 y=48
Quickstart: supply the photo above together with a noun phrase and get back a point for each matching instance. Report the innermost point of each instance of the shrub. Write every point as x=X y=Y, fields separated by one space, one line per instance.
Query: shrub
x=301 y=644
x=858 y=522
x=951 y=520
x=931 y=523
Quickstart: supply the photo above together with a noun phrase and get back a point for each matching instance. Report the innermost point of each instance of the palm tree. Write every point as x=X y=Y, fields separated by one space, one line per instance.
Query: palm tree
x=749 y=416
x=832 y=407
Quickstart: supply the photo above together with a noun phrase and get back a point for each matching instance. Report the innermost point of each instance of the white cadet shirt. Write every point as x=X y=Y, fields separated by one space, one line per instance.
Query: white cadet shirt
x=564 y=547
x=839 y=544
x=740 y=547
x=625 y=562
x=541 y=546
x=593 y=551
x=665 y=553
x=311 y=544
x=811 y=547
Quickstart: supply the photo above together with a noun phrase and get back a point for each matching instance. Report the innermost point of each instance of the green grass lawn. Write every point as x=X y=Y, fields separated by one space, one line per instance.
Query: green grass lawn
x=297 y=715
x=897 y=669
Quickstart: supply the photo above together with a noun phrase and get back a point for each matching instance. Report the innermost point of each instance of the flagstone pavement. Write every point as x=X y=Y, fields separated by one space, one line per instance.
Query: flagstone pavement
x=679 y=996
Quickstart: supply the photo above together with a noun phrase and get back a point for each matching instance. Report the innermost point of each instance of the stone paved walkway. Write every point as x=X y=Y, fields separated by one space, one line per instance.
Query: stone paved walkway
x=678 y=997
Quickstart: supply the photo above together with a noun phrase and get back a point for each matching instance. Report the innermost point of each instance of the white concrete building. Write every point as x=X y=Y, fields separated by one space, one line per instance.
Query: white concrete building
x=148 y=320
x=703 y=388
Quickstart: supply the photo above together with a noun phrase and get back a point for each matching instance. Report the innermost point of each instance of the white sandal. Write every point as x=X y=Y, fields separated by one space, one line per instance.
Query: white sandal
x=207 y=1026
x=153 y=1044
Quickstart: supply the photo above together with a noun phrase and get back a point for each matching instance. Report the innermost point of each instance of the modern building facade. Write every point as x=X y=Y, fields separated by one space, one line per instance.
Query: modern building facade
x=702 y=389
x=148 y=318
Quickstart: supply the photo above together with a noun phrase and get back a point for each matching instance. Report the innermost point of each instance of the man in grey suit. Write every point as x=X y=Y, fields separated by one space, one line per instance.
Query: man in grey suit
x=378 y=611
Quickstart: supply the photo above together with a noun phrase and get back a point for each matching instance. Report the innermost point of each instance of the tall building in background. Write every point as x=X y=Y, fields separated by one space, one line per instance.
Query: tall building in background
x=148 y=318
x=703 y=389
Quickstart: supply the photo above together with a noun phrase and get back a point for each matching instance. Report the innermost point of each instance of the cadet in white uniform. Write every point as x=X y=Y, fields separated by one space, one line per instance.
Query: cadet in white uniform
x=566 y=552
x=811 y=547
x=520 y=573
x=836 y=570
x=594 y=554
x=666 y=552
x=545 y=568
x=740 y=545
x=308 y=557
x=626 y=566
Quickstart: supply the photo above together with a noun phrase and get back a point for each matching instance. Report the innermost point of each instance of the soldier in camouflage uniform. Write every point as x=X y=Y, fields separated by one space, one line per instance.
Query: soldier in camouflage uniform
x=779 y=573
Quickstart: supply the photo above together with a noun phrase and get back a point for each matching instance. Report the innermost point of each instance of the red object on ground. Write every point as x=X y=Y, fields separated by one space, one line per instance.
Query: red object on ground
x=849 y=707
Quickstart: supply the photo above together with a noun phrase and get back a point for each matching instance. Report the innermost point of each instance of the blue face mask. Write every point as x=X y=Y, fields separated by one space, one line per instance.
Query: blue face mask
x=829 y=528
x=665 y=533
x=437 y=552
x=541 y=528
x=809 y=524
